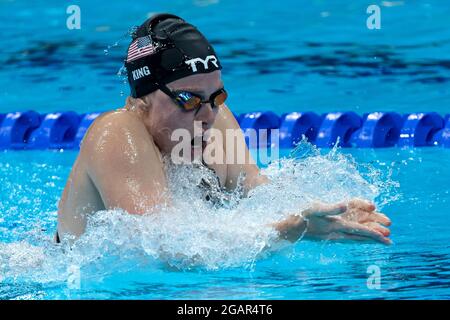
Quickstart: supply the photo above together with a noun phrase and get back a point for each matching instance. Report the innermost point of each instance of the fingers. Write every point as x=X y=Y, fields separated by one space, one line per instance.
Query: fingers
x=380 y=218
x=344 y=237
x=375 y=237
x=361 y=204
x=323 y=209
x=361 y=216
x=357 y=215
x=357 y=229
x=375 y=226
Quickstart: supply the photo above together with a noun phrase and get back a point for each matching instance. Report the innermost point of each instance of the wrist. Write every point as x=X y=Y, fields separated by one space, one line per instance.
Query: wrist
x=292 y=228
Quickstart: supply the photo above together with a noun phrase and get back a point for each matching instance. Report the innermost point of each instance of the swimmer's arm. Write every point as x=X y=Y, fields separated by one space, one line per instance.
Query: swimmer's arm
x=292 y=228
x=125 y=167
x=253 y=177
x=355 y=221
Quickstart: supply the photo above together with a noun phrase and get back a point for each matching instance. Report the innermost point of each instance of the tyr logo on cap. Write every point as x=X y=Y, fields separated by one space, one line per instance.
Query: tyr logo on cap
x=194 y=61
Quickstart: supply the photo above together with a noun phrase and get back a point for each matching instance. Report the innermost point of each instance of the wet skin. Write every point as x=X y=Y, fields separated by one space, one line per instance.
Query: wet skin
x=120 y=166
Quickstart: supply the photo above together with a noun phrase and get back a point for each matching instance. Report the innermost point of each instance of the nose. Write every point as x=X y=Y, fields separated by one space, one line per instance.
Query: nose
x=206 y=114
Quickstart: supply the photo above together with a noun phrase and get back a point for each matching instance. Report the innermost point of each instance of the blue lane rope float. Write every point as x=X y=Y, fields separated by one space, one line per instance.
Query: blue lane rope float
x=258 y=120
x=337 y=125
x=16 y=128
x=442 y=137
x=65 y=130
x=419 y=129
x=379 y=129
x=56 y=131
x=296 y=124
x=86 y=120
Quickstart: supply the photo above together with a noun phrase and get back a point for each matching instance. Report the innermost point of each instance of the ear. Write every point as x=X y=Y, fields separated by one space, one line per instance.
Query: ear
x=144 y=103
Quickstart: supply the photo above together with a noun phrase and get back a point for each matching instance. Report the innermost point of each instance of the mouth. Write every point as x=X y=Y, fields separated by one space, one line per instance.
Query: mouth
x=197 y=147
x=198 y=142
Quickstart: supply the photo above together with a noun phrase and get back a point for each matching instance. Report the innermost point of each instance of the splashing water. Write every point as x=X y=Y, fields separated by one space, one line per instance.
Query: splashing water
x=122 y=72
x=117 y=44
x=193 y=233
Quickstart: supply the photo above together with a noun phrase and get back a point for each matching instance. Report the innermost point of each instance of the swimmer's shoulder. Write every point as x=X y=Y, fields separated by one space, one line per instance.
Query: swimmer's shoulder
x=113 y=123
x=116 y=130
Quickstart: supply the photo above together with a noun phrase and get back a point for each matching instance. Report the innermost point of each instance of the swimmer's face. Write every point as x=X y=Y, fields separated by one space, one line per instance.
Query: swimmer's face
x=167 y=115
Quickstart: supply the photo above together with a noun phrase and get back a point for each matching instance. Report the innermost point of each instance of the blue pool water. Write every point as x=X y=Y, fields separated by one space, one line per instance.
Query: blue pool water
x=295 y=56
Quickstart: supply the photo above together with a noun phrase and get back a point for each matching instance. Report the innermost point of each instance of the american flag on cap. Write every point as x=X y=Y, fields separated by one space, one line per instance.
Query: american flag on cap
x=139 y=48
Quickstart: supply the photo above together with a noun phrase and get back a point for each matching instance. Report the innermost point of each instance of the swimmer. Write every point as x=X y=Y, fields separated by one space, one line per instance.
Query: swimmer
x=175 y=79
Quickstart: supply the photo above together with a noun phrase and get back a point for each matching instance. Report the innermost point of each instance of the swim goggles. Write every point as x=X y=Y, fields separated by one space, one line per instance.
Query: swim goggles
x=190 y=101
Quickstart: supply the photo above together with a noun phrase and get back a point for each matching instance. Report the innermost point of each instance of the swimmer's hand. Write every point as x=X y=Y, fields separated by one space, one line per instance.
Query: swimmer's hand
x=357 y=220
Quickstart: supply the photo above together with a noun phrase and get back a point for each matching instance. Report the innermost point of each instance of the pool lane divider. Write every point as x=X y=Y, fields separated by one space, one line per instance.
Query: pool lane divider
x=65 y=130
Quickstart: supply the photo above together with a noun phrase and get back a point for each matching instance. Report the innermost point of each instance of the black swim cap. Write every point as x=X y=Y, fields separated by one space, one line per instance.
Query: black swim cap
x=166 y=48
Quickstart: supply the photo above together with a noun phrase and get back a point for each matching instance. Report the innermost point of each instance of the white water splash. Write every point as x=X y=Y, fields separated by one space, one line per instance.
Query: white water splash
x=193 y=233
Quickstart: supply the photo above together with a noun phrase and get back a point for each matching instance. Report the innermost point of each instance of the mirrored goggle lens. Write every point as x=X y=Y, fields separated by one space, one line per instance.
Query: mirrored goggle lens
x=220 y=98
x=192 y=103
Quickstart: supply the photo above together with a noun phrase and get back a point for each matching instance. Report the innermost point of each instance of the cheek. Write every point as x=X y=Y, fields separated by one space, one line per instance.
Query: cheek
x=174 y=121
x=216 y=112
x=182 y=120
